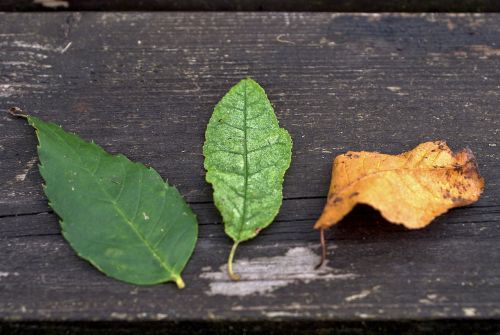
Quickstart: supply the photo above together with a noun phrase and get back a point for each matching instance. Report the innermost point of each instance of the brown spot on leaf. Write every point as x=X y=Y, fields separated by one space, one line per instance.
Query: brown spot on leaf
x=458 y=199
x=337 y=200
x=333 y=198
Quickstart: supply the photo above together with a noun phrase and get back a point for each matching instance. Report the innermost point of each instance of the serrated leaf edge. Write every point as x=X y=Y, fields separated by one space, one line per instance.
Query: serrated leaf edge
x=173 y=276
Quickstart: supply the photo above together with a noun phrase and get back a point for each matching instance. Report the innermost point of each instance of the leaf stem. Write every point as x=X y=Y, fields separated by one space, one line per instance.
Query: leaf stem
x=323 y=248
x=232 y=275
x=17 y=112
x=180 y=282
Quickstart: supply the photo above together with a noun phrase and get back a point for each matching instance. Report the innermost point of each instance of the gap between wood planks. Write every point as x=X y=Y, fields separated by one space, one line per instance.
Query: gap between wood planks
x=211 y=202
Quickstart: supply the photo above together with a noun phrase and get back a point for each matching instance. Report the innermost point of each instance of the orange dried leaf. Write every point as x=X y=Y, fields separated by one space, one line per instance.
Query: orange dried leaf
x=409 y=189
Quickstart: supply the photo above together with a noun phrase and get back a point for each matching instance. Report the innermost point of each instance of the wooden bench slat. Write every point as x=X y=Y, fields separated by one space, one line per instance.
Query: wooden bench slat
x=256 y=5
x=145 y=84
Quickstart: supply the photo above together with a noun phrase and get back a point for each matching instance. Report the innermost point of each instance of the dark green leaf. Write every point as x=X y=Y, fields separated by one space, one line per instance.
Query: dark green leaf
x=117 y=214
x=246 y=156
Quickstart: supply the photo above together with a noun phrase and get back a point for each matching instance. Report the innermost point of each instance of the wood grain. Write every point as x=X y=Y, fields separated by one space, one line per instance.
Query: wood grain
x=256 y=5
x=145 y=84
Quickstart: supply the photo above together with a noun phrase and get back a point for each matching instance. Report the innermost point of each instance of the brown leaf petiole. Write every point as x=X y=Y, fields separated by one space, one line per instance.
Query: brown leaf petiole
x=323 y=248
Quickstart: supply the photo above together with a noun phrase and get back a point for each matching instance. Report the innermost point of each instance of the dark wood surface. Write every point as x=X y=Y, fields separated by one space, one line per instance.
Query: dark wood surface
x=145 y=84
x=257 y=5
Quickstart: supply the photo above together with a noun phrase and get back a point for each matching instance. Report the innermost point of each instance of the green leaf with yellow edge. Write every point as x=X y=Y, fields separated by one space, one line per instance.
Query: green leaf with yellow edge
x=117 y=214
x=246 y=157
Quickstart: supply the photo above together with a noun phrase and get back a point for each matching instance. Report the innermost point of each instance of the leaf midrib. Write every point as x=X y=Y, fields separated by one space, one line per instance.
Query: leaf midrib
x=115 y=205
x=245 y=155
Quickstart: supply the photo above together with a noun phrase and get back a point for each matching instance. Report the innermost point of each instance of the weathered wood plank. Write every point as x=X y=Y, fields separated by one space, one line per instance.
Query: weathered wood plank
x=257 y=5
x=145 y=85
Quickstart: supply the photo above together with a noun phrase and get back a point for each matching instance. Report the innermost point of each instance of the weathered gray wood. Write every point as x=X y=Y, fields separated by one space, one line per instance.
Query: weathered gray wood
x=257 y=5
x=145 y=85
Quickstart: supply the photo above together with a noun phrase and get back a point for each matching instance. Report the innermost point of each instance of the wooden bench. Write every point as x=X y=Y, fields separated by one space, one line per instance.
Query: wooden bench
x=145 y=84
